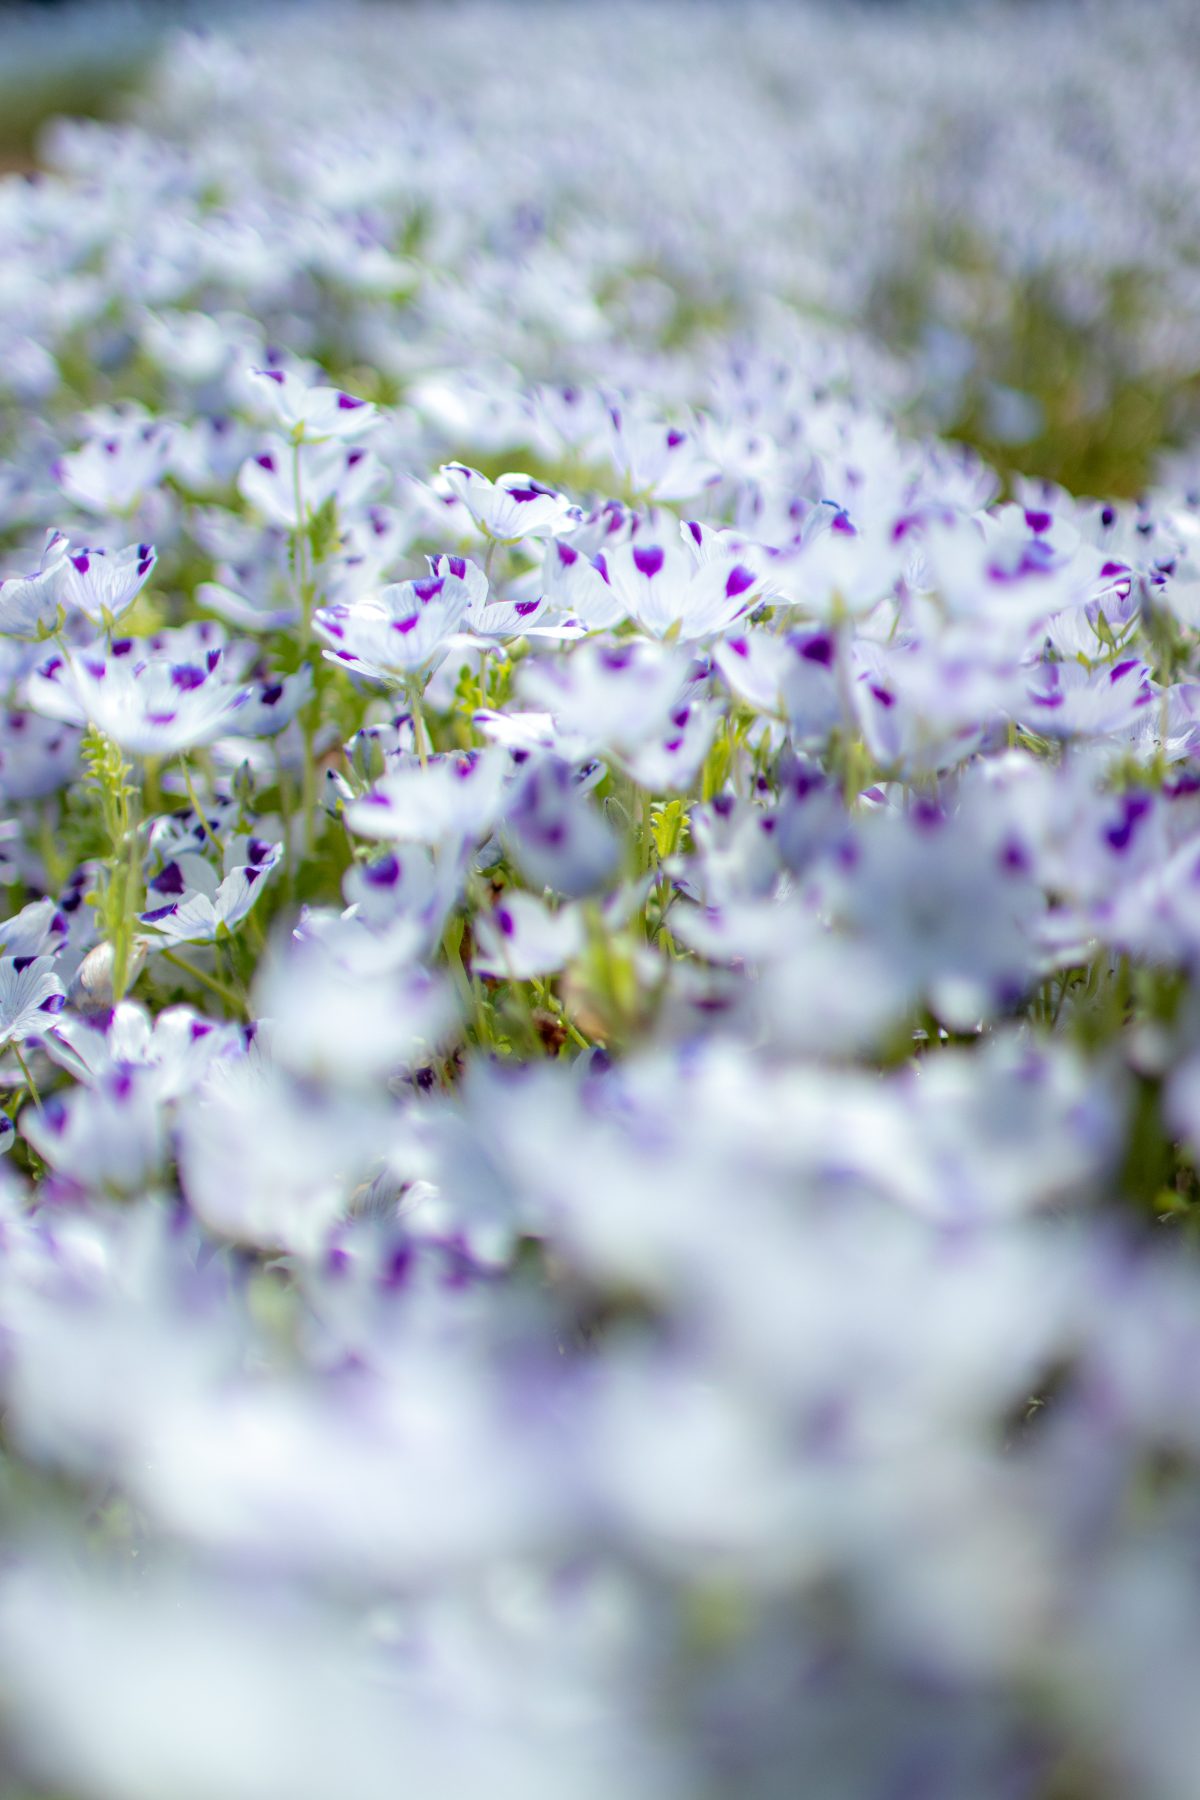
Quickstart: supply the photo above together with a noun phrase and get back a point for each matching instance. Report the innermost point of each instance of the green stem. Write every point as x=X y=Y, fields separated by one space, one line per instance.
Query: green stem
x=205 y=828
x=420 y=733
x=308 y=791
x=306 y=583
x=471 y=1000
x=285 y=813
x=29 y=1081
x=206 y=980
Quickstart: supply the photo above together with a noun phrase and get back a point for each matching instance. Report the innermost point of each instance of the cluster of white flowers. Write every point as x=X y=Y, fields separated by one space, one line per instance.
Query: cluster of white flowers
x=601 y=1070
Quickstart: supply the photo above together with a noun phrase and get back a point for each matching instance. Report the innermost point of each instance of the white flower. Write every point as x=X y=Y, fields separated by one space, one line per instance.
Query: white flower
x=30 y=605
x=145 y=700
x=454 y=798
x=312 y=414
x=510 y=508
x=401 y=631
x=30 y=996
x=102 y=586
x=112 y=471
x=110 y=1136
x=192 y=906
x=668 y=593
x=521 y=937
x=328 y=471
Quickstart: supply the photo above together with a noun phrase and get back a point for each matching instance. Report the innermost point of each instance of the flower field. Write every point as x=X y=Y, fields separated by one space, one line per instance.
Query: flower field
x=600 y=964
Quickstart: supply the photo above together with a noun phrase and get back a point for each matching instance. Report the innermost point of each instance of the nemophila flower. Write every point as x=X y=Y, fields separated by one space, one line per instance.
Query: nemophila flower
x=578 y=585
x=39 y=929
x=452 y=799
x=171 y=1052
x=1100 y=630
x=373 y=541
x=511 y=508
x=207 y=453
x=328 y=472
x=403 y=630
x=273 y=702
x=671 y=763
x=738 y=852
x=31 y=605
x=194 y=832
x=396 y=912
x=656 y=460
x=557 y=838
x=921 y=708
x=819 y=993
x=521 y=937
x=31 y=995
x=609 y=696
x=1169 y=729
x=669 y=594
x=488 y=620
x=145 y=701
x=117 y=466
x=999 y=569
x=790 y=677
x=392 y=885
x=956 y=921
x=333 y=1020
x=193 y=346
x=266 y=1160
x=1066 y=700
x=844 y=569
x=312 y=415
x=101 y=585
x=1019 y=1126
x=190 y=904
x=109 y=1136
x=254 y=587
x=1151 y=907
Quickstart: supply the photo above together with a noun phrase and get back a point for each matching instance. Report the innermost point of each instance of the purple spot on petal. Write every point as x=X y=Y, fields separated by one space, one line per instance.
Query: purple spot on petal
x=382 y=874
x=168 y=881
x=649 y=561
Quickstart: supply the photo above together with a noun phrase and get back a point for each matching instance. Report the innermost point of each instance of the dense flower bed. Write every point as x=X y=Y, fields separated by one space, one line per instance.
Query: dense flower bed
x=597 y=1004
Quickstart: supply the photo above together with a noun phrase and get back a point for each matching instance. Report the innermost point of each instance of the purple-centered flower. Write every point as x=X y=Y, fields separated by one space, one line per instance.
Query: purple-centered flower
x=108 y=1137
x=126 y=456
x=31 y=605
x=31 y=994
x=328 y=472
x=312 y=415
x=666 y=590
x=453 y=799
x=510 y=508
x=102 y=584
x=190 y=905
x=145 y=700
x=521 y=937
x=402 y=631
